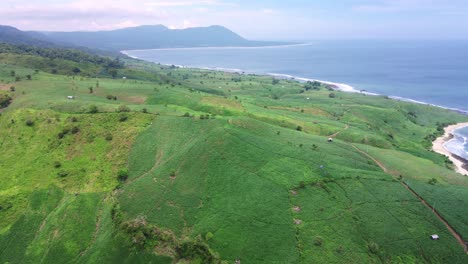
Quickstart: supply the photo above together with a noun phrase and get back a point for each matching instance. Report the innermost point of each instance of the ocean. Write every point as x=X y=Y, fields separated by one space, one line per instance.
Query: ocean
x=434 y=72
x=459 y=144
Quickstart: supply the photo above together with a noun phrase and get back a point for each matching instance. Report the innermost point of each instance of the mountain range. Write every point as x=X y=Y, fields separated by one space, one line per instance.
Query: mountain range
x=142 y=37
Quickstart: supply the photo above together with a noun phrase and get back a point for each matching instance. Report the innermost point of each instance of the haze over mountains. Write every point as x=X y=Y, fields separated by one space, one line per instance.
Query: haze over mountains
x=142 y=37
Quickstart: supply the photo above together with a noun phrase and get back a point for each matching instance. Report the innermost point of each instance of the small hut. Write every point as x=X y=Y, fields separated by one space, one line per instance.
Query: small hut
x=71 y=97
x=435 y=237
x=330 y=140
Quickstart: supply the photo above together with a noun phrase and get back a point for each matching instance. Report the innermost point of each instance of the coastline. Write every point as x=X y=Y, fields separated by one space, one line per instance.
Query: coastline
x=334 y=85
x=223 y=47
x=438 y=146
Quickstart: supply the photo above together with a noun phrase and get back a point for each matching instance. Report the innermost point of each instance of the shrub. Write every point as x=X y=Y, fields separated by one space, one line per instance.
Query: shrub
x=74 y=119
x=123 y=108
x=75 y=130
x=187 y=114
x=12 y=89
x=332 y=95
x=302 y=185
x=62 y=174
x=93 y=109
x=318 y=241
x=144 y=110
x=209 y=236
x=340 y=250
x=433 y=181
x=29 y=122
x=299 y=128
x=57 y=164
x=123 y=118
x=109 y=137
x=122 y=175
x=196 y=251
x=373 y=247
x=64 y=132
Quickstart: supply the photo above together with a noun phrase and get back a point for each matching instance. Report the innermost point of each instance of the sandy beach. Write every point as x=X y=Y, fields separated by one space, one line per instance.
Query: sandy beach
x=438 y=146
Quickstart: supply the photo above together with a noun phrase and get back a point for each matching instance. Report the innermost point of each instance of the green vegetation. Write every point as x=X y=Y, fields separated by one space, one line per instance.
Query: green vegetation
x=174 y=165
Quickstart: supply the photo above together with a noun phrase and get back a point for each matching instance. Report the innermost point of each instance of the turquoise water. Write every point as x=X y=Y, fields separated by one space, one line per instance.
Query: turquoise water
x=435 y=72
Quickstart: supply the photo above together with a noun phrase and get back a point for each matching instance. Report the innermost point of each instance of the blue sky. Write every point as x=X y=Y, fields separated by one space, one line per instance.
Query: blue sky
x=282 y=20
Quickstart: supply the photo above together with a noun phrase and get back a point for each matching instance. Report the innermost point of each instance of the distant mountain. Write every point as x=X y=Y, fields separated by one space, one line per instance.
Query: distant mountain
x=157 y=36
x=11 y=35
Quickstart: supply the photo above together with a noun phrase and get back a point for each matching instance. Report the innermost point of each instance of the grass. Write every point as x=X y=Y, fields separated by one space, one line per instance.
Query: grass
x=243 y=183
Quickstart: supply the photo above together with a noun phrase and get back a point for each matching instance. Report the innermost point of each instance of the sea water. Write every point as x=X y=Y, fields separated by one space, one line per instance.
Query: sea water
x=434 y=72
x=429 y=71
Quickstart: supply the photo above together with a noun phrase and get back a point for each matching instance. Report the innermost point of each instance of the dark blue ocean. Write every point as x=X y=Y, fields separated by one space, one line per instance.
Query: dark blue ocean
x=434 y=72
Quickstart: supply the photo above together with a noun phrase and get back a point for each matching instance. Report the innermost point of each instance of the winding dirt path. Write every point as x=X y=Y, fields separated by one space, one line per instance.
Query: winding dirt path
x=337 y=133
x=455 y=234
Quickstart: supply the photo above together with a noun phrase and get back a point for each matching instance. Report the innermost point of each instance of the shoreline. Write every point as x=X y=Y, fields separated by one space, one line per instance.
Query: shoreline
x=334 y=85
x=221 y=47
x=439 y=146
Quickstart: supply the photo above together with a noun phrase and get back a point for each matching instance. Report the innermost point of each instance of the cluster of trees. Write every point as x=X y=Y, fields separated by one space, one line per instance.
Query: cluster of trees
x=65 y=54
x=312 y=85
x=5 y=100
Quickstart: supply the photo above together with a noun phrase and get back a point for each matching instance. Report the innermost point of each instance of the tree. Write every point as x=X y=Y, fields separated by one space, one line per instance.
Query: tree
x=299 y=128
x=29 y=77
x=12 y=73
x=122 y=175
x=332 y=95
x=76 y=70
x=91 y=90
x=113 y=73
x=12 y=89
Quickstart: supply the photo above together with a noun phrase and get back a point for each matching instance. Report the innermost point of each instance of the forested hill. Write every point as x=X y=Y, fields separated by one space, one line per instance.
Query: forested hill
x=13 y=35
x=59 y=60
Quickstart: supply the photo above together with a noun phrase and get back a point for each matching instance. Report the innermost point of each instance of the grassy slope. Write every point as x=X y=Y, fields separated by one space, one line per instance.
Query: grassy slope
x=246 y=175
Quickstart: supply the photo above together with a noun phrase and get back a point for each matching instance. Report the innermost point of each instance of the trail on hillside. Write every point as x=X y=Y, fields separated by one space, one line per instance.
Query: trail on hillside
x=337 y=133
x=455 y=234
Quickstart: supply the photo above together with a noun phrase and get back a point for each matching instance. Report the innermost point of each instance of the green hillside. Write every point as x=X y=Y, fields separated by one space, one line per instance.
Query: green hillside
x=168 y=165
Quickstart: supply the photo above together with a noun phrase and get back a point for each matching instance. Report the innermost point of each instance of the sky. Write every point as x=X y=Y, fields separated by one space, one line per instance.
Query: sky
x=259 y=20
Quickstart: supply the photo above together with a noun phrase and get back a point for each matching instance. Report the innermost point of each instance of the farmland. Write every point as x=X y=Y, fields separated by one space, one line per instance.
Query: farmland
x=184 y=165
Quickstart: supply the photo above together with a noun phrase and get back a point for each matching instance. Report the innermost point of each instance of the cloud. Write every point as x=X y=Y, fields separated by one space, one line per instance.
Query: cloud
x=99 y=14
x=268 y=11
x=410 y=6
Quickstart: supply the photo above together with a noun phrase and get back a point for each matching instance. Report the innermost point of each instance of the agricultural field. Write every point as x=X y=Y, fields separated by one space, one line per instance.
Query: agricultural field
x=171 y=165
